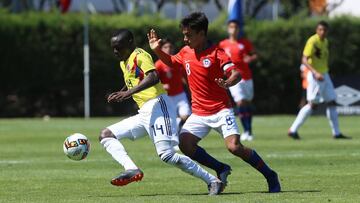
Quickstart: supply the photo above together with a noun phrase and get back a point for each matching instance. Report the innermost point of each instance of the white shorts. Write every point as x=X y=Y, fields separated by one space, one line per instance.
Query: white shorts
x=182 y=104
x=157 y=118
x=320 y=91
x=224 y=122
x=243 y=90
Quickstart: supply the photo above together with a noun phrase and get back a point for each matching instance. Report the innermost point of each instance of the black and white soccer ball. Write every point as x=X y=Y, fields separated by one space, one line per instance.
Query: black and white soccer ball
x=76 y=146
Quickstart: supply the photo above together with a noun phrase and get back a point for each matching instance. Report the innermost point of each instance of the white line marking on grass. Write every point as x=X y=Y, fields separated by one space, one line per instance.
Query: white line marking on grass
x=301 y=155
x=272 y=155
x=53 y=161
x=14 y=161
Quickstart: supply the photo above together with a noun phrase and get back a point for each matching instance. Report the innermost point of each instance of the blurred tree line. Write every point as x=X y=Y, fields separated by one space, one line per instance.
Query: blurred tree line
x=252 y=8
x=41 y=60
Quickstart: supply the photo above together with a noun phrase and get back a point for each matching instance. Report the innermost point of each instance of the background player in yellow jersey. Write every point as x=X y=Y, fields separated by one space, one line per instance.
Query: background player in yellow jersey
x=156 y=116
x=320 y=88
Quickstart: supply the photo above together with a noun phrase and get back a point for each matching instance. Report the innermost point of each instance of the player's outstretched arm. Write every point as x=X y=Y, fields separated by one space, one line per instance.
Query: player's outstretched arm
x=151 y=79
x=154 y=43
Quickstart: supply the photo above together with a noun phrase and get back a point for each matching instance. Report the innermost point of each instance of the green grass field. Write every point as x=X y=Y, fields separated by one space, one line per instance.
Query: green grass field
x=33 y=167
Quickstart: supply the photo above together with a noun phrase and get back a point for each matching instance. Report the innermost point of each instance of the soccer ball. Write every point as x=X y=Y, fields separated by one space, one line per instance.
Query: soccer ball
x=76 y=146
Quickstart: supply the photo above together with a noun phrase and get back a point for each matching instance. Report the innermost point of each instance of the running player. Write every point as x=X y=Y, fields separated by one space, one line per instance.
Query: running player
x=320 y=88
x=156 y=116
x=241 y=52
x=173 y=82
x=205 y=65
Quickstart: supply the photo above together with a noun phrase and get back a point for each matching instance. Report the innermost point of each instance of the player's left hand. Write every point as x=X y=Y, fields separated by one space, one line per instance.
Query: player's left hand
x=221 y=82
x=154 y=41
x=319 y=76
x=247 y=59
x=118 y=96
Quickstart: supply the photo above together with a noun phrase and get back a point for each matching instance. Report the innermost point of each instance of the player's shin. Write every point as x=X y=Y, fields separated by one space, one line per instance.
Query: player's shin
x=271 y=176
x=301 y=117
x=168 y=155
x=245 y=113
x=117 y=151
x=332 y=115
x=256 y=161
x=207 y=160
x=189 y=166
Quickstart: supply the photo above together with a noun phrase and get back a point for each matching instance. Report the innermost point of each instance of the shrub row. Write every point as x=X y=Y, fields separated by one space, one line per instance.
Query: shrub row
x=41 y=64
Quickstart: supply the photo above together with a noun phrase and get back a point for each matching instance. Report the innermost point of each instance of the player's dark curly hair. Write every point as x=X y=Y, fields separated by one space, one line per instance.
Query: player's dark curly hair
x=324 y=24
x=196 y=21
x=124 y=37
x=234 y=21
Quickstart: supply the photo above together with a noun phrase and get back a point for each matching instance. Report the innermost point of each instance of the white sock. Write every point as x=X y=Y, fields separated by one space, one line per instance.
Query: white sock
x=117 y=151
x=169 y=156
x=304 y=112
x=332 y=115
x=189 y=166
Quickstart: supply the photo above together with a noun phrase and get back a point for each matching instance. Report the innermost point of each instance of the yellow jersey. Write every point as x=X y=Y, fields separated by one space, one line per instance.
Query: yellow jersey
x=134 y=69
x=318 y=52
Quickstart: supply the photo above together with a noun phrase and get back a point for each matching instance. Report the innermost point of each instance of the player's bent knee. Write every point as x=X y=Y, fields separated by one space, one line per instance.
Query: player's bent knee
x=313 y=106
x=188 y=143
x=184 y=148
x=234 y=148
x=184 y=118
x=243 y=103
x=233 y=145
x=106 y=133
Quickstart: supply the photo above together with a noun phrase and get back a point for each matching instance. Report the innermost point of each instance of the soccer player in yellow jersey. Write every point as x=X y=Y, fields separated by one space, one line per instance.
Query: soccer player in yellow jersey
x=320 y=88
x=156 y=116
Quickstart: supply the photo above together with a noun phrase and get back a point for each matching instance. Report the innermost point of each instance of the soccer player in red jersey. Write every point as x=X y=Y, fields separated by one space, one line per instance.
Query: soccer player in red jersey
x=155 y=117
x=205 y=65
x=241 y=52
x=173 y=80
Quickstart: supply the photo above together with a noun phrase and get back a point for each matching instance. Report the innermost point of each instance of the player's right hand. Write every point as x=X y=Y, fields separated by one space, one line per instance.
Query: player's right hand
x=118 y=96
x=154 y=41
x=221 y=82
x=319 y=76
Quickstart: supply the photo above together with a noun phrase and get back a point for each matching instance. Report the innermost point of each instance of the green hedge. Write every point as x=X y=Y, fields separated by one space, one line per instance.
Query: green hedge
x=280 y=45
x=42 y=60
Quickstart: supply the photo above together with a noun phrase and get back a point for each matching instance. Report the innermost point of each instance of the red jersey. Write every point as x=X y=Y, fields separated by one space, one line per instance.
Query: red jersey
x=236 y=51
x=207 y=97
x=170 y=78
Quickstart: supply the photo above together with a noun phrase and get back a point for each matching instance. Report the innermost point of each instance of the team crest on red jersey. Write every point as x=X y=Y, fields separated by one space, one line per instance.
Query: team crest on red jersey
x=206 y=63
x=241 y=46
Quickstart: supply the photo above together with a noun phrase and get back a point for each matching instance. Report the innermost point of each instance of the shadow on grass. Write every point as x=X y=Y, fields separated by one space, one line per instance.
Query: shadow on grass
x=234 y=193
x=206 y=194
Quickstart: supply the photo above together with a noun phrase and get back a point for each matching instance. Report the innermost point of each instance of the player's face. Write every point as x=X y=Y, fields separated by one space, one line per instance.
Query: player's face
x=321 y=31
x=167 y=48
x=192 y=38
x=120 y=52
x=233 y=29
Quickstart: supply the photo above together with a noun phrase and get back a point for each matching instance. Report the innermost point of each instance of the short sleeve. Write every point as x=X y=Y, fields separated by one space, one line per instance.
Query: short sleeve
x=144 y=62
x=249 y=47
x=309 y=47
x=158 y=66
x=177 y=59
x=225 y=62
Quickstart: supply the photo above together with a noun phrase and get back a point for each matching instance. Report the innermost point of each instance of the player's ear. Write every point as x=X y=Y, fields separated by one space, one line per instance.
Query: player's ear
x=201 y=33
